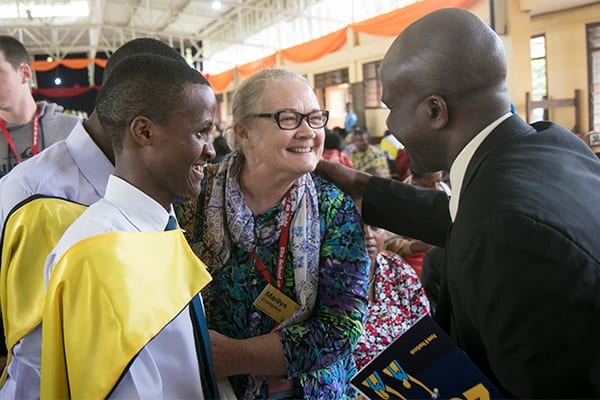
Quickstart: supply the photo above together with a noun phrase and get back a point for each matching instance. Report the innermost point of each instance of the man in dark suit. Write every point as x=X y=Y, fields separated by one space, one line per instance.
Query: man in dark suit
x=521 y=286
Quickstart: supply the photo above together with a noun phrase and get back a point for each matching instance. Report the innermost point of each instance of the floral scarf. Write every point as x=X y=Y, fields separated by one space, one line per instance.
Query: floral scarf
x=228 y=219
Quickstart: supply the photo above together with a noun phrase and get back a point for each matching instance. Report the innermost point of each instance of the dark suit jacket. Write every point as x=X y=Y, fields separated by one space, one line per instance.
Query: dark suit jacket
x=523 y=257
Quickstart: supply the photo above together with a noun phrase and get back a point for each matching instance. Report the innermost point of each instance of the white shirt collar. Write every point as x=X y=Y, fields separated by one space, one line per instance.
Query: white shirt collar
x=460 y=164
x=88 y=157
x=141 y=210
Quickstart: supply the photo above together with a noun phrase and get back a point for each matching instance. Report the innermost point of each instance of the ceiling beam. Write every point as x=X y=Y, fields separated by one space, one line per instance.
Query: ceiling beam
x=170 y=16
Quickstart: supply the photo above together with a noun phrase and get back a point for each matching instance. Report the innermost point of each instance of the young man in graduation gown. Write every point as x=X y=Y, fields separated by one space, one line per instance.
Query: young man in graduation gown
x=122 y=316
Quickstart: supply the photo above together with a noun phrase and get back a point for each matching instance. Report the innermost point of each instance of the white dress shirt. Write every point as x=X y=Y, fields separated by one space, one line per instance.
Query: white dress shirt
x=461 y=162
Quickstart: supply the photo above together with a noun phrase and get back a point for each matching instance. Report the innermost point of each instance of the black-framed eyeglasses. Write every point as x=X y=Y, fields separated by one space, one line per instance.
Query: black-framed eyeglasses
x=290 y=119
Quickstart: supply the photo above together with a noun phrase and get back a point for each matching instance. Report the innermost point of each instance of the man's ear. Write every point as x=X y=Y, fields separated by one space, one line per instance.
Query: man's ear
x=26 y=73
x=437 y=111
x=140 y=130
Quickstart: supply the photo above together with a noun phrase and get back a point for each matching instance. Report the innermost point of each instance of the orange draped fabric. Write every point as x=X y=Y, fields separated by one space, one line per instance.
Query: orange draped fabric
x=76 y=63
x=100 y=62
x=317 y=48
x=73 y=63
x=255 y=66
x=43 y=66
x=219 y=82
x=392 y=23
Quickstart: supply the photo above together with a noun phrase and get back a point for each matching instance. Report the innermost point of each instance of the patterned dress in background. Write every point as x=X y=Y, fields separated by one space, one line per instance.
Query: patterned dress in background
x=373 y=160
x=399 y=302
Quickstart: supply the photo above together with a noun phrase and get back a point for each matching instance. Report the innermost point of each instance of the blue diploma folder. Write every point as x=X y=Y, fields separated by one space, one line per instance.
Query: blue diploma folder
x=423 y=363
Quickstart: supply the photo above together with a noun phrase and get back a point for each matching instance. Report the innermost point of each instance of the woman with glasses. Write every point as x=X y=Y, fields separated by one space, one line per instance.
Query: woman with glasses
x=285 y=249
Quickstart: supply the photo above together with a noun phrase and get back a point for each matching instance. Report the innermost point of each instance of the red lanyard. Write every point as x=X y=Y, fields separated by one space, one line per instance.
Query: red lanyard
x=35 y=136
x=283 y=240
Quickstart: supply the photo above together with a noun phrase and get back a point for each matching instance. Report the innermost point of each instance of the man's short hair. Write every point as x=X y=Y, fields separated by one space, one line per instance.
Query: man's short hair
x=14 y=51
x=136 y=47
x=145 y=84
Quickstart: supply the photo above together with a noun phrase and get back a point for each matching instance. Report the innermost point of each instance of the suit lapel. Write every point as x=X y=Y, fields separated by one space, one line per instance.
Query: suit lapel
x=503 y=136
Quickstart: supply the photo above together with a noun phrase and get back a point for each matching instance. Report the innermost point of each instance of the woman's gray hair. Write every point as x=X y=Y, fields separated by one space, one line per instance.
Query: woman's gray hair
x=247 y=98
x=232 y=141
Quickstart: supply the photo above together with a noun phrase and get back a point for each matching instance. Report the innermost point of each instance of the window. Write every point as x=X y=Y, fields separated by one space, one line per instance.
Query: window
x=332 y=90
x=331 y=78
x=539 y=79
x=372 y=85
x=593 y=50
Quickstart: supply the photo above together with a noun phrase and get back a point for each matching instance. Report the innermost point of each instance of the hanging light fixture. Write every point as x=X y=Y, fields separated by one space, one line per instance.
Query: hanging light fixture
x=216 y=5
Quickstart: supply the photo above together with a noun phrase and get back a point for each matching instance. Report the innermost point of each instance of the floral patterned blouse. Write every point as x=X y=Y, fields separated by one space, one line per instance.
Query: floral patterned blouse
x=318 y=351
x=399 y=302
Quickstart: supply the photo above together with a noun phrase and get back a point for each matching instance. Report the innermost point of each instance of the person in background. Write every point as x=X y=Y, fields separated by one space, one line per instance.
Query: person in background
x=333 y=150
x=117 y=282
x=365 y=156
x=351 y=119
x=401 y=168
x=520 y=285
x=269 y=229
x=342 y=133
x=396 y=298
x=75 y=170
x=27 y=127
x=221 y=148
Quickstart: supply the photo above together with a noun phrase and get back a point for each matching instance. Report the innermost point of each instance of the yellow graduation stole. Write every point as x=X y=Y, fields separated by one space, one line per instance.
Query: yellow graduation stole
x=108 y=296
x=30 y=234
